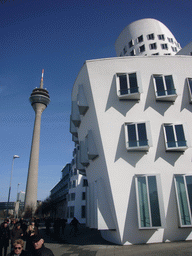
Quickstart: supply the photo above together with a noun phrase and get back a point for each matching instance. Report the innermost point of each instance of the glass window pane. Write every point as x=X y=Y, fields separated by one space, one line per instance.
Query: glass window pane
x=133 y=83
x=159 y=85
x=180 y=135
x=169 y=85
x=182 y=197
x=142 y=135
x=154 y=201
x=170 y=136
x=132 y=135
x=143 y=202
x=189 y=190
x=123 y=84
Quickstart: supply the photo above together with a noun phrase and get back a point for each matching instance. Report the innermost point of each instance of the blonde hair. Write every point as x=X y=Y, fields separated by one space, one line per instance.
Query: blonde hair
x=19 y=241
x=28 y=229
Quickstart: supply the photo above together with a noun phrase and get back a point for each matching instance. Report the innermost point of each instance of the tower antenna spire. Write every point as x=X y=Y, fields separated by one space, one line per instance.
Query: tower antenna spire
x=41 y=84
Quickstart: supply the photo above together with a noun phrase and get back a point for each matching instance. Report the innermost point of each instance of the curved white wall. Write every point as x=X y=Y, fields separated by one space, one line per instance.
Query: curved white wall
x=146 y=27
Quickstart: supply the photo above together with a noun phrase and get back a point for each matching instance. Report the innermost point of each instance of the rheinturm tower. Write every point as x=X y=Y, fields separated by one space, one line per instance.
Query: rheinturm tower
x=39 y=100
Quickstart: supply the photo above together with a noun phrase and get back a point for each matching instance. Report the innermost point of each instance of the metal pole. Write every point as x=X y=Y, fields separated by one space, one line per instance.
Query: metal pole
x=15 y=156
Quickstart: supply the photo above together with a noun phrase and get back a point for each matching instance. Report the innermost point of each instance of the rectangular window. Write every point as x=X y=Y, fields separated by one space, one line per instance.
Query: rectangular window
x=137 y=136
x=131 y=43
x=183 y=187
x=85 y=183
x=175 y=137
x=148 y=202
x=74 y=183
x=68 y=210
x=164 y=87
x=164 y=46
x=170 y=40
x=132 y=53
x=72 y=211
x=128 y=84
x=142 y=48
x=83 y=195
x=150 y=36
x=125 y=50
x=140 y=39
x=174 y=49
x=161 y=37
x=72 y=196
x=69 y=197
x=83 y=211
x=153 y=46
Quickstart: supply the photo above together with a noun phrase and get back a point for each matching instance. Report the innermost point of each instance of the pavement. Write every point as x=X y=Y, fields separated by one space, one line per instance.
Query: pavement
x=88 y=242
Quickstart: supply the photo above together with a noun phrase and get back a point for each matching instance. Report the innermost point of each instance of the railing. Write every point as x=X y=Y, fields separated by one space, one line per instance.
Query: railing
x=129 y=90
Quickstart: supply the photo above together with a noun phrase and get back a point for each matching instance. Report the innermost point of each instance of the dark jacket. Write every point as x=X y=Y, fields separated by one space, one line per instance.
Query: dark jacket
x=4 y=236
x=23 y=253
x=16 y=234
x=43 y=251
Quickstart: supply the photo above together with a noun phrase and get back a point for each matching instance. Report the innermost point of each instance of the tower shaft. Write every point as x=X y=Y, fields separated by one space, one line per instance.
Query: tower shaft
x=32 y=180
x=39 y=100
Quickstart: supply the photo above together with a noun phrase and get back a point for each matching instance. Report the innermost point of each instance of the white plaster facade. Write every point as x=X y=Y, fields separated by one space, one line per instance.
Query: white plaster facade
x=77 y=194
x=131 y=158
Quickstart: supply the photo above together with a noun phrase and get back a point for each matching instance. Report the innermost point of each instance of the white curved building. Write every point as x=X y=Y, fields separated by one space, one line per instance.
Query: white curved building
x=131 y=117
x=146 y=37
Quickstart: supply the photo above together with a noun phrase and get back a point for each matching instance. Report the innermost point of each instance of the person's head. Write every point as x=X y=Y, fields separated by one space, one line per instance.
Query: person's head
x=38 y=241
x=5 y=224
x=18 y=246
x=18 y=225
x=32 y=223
x=30 y=228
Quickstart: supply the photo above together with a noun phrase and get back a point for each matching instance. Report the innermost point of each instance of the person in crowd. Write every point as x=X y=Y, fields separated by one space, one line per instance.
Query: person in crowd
x=16 y=233
x=39 y=247
x=4 y=237
x=23 y=225
x=74 y=223
x=31 y=231
x=63 y=225
x=34 y=228
x=12 y=224
x=18 y=249
x=57 y=225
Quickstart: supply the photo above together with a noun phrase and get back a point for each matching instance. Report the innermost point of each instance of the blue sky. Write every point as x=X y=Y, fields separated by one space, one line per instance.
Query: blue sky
x=58 y=36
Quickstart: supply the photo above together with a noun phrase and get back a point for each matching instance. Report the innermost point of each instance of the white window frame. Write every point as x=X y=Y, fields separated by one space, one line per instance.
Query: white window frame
x=176 y=147
x=161 y=37
x=182 y=194
x=189 y=81
x=164 y=46
x=148 y=136
x=166 y=96
x=140 y=48
x=153 y=46
x=133 y=52
x=131 y=43
x=129 y=95
x=149 y=207
x=151 y=36
x=140 y=39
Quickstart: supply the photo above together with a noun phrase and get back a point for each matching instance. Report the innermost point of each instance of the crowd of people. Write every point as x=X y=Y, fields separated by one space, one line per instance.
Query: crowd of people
x=24 y=237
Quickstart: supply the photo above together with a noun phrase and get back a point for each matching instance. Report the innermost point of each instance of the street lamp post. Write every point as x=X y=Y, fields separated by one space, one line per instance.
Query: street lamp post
x=15 y=156
x=18 y=191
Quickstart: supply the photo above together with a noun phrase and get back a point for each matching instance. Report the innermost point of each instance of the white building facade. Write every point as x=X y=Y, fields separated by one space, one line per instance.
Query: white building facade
x=77 y=193
x=131 y=118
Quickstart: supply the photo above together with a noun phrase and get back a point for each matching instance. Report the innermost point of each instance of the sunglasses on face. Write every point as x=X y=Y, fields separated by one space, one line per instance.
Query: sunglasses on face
x=19 y=248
